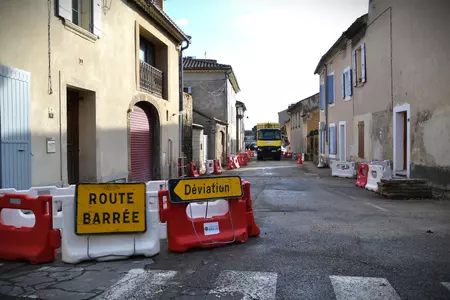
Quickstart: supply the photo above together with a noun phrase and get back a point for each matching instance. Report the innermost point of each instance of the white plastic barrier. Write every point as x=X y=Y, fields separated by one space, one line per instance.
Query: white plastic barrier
x=76 y=248
x=373 y=177
x=209 y=167
x=207 y=209
x=236 y=162
x=343 y=169
x=387 y=171
x=20 y=218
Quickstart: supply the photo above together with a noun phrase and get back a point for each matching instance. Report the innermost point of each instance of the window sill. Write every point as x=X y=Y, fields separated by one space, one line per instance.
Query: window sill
x=332 y=156
x=348 y=98
x=80 y=31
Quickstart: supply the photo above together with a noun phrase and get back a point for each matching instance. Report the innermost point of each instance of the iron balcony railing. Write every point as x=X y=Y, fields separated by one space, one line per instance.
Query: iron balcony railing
x=151 y=79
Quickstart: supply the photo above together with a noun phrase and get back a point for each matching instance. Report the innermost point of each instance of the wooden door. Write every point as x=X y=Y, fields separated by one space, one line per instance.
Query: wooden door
x=361 y=139
x=405 y=134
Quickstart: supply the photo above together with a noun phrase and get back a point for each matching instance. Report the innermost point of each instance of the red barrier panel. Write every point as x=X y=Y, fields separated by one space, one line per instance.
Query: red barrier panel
x=243 y=159
x=193 y=172
x=36 y=244
x=253 y=229
x=363 y=171
x=299 y=159
x=287 y=154
x=184 y=233
x=217 y=167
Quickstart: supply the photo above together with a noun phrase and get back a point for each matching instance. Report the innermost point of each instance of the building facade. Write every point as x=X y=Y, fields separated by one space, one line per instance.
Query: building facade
x=240 y=130
x=213 y=87
x=86 y=115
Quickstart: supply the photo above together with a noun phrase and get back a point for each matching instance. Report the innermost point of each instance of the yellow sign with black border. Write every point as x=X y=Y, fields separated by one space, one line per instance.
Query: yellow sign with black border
x=205 y=188
x=105 y=208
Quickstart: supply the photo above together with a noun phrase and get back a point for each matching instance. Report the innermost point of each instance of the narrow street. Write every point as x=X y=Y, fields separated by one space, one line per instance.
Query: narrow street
x=321 y=238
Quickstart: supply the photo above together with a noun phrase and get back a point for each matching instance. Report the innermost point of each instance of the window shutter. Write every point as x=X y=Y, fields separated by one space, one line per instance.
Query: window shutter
x=343 y=85
x=349 y=83
x=330 y=89
x=64 y=9
x=97 y=18
x=322 y=97
x=354 y=67
x=363 y=62
x=333 y=140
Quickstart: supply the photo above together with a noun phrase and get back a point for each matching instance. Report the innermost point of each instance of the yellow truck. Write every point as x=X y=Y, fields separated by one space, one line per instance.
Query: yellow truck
x=268 y=140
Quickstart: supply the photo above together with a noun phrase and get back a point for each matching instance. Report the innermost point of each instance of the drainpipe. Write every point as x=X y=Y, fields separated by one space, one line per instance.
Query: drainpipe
x=181 y=100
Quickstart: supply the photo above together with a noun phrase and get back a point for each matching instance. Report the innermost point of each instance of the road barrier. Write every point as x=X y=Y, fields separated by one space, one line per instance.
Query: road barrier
x=299 y=159
x=363 y=172
x=193 y=172
x=343 y=169
x=217 y=167
x=186 y=232
x=37 y=244
x=209 y=167
x=374 y=176
x=387 y=171
x=243 y=159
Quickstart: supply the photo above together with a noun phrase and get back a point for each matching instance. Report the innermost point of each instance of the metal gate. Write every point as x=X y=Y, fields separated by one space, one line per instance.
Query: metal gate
x=15 y=129
x=140 y=145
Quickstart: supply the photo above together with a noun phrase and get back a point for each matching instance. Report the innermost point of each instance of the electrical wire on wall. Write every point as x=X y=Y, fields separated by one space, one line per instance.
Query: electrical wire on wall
x=50 y=90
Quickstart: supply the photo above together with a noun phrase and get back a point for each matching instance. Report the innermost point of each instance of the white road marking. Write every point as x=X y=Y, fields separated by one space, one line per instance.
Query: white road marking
x=341 y=193
x=1 y=264
x=378 y=207
x=446 y=284
x=251 y=285
x=368 y=288
x=138 y=284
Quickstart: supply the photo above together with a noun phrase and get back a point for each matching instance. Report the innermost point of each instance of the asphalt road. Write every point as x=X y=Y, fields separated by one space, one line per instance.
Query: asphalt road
x=321 y=238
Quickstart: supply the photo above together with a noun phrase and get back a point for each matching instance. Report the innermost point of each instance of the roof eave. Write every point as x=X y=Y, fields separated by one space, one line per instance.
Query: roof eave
x=162 y=19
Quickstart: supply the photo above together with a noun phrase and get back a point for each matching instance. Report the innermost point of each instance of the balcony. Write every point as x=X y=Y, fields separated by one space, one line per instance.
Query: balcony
x=151 y=79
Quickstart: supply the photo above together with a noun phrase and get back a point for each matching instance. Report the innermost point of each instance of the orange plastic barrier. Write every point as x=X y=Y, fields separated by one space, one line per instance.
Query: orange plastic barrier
x=193 y=172
x=253 y=229
x=36 y=244
x=299 y=159
x=184 y=233
x=217 y=167
x=363 y=172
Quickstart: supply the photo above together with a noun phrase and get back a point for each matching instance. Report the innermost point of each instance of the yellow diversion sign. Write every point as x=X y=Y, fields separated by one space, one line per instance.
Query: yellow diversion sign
x=110 y=208
x=205 y=188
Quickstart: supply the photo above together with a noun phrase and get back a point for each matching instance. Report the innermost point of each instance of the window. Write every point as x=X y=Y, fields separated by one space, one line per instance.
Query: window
x=269 y=135
x=330 y=88
x=332 y=141
x=147 y=52
x=82 y=14
x=359 y=65
x=346 y=84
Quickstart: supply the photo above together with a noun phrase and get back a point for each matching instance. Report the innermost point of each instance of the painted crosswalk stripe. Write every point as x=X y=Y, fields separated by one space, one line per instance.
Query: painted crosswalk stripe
x=369 y=288
x=446 y=284
x=138 y=284
x=247 y=284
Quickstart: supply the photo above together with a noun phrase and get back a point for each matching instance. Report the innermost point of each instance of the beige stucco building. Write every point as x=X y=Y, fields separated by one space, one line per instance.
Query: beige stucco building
x=103 y=86
x=397 y=106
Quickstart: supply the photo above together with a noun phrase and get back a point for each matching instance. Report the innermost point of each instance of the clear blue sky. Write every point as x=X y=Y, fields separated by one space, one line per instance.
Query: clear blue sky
x=273 y=46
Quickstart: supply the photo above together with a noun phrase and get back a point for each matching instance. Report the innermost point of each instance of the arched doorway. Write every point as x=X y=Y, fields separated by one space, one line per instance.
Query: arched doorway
x=144 y=142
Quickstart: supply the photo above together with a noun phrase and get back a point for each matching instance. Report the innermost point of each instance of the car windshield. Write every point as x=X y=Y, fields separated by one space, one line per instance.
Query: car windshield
x=269 y=135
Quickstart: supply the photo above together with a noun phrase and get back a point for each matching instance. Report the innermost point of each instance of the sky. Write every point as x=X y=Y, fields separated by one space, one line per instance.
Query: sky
x=273 y=46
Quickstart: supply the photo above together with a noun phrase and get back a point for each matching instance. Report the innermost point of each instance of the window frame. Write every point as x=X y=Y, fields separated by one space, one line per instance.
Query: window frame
x=332 y=155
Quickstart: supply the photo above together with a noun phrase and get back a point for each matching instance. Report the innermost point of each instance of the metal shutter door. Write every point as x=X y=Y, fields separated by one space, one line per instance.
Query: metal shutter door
x=140 y=145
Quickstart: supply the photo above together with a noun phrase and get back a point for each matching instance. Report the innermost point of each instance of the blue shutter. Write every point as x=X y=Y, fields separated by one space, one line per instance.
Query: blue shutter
x=15 y=132
x=334 y=140
x=322 y=97
x=349 y=83
x=330 y=89
x=343 y=92
x=363 y=62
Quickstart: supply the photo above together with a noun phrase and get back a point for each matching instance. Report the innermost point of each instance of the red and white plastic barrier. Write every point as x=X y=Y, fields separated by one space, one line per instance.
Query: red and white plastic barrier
x=217 y=167
x=374 y=176
x=209 y=167
x=193 y=172
x=37 y=244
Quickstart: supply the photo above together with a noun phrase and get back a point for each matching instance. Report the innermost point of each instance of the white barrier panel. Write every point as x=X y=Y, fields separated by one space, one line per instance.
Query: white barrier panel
x=236 y=162
x=342 y=169
x=209 y=167
x=207 y=209
x=386 y=164
x=20 y=218
x=157 y=186
x=77 y=248
x=373 y=177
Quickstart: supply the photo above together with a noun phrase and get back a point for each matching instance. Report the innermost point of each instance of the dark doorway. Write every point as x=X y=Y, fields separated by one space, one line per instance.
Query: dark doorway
x=73 y=133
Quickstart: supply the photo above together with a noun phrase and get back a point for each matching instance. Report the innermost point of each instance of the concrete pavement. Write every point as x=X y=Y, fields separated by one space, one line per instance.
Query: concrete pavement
x=321 y=238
